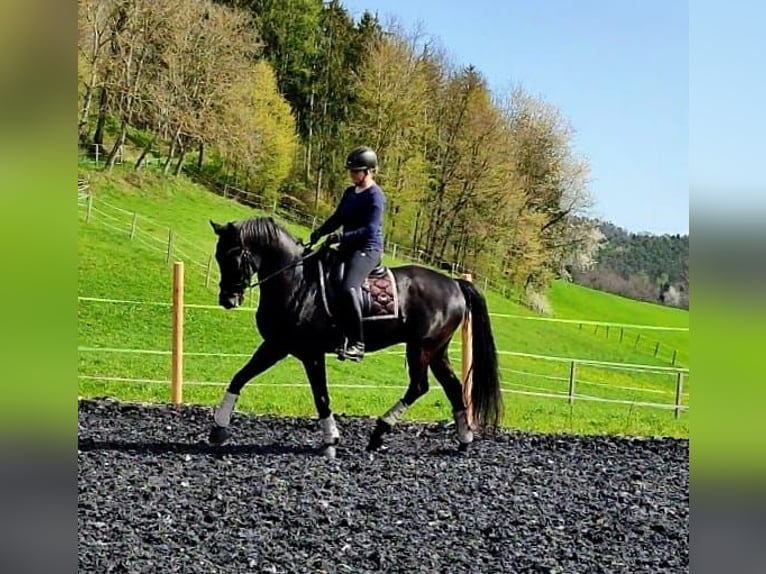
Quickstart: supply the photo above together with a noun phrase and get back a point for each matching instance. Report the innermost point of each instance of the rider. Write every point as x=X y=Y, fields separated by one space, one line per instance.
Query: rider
x=360 y=212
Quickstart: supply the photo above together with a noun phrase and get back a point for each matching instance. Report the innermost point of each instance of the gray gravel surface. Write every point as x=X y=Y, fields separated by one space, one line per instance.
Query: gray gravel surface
x=154 y=497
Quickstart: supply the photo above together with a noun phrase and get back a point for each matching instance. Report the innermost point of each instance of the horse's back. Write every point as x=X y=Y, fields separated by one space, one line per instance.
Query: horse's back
x=418 y=273
x=427 y=290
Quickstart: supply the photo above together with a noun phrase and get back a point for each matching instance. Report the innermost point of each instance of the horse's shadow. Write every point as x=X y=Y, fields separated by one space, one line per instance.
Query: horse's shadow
x=197 y=448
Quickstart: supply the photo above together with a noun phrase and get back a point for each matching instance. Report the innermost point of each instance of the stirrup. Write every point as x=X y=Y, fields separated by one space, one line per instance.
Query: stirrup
x=355 y=352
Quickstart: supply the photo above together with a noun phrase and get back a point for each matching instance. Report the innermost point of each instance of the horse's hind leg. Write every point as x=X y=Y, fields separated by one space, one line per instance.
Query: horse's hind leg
x=442 y=370
x=265 y=356
x=418 y=359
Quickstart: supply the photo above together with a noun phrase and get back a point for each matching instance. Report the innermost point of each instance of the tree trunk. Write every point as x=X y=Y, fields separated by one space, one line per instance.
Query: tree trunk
x=180 y=162
x=171 y=153
x=82 y=125
x=435 y=219
x=98 y=136
x=119 y=142
x=310 y=138
x=200 y=158
x=142 y=157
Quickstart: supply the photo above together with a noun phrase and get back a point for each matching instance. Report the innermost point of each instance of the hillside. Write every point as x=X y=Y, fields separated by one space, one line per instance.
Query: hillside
x=641 y=266
x=114 y=266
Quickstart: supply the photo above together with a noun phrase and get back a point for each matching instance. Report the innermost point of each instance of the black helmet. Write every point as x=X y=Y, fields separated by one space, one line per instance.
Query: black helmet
x=362 y=158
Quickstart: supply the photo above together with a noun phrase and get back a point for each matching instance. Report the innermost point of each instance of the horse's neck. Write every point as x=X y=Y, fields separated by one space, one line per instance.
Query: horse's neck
x=280 y=269
x=275 y=256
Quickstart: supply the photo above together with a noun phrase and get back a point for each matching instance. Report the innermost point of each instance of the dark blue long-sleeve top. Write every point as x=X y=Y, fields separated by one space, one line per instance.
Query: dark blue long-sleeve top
x=361 y=215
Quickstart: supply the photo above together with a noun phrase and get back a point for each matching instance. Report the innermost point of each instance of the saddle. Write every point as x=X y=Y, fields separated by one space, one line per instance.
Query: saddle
x=380 y=299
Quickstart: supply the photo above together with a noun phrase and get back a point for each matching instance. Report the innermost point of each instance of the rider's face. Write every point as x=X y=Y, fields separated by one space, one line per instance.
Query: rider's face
x=357 y=175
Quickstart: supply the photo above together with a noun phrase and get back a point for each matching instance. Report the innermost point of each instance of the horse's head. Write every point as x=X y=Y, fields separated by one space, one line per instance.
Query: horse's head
x=236 y=262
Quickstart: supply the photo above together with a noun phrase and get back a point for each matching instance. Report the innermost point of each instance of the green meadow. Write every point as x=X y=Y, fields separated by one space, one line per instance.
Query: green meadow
x=134 y=219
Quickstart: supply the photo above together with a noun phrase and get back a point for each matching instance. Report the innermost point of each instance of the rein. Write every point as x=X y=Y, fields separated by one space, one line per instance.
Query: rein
x=248 y=257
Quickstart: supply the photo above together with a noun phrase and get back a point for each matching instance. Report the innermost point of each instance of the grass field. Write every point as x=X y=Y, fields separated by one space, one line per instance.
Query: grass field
x=114 y=266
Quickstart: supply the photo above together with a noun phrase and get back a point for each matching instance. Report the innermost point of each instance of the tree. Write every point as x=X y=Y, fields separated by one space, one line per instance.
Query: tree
x=208 y=48
x=391 y=116
x=262 y=134
x=137 y=31
x=93 y=22
x=290 y=33
x=552 y=181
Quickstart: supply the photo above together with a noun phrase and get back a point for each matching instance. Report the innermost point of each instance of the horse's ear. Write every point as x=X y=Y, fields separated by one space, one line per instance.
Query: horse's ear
x=216 y=227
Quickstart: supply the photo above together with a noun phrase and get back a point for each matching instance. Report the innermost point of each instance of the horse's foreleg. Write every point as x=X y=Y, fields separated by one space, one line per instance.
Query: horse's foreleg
x=417 y=360
x=317 y=375
x=265 y=356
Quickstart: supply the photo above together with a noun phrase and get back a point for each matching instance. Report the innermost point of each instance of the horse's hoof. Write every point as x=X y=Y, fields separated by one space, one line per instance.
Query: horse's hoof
x=329 y=451
x=218 y=435
x=463 y=446
x=375 y=443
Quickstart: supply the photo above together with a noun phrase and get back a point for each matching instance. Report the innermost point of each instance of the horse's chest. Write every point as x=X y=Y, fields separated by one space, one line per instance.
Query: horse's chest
x=278 y=322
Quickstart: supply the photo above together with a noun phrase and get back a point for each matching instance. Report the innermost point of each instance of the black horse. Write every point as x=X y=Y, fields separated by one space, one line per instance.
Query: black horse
x=294 y=318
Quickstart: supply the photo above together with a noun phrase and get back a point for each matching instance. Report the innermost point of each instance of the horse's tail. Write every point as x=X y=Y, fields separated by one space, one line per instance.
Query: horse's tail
x=486 y=398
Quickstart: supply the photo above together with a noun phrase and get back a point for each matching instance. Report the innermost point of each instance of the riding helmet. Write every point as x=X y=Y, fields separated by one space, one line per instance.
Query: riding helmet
x=362 y=158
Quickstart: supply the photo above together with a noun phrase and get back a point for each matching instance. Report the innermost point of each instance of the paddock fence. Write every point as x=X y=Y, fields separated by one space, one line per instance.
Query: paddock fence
x=170 y=245
x=557 y=377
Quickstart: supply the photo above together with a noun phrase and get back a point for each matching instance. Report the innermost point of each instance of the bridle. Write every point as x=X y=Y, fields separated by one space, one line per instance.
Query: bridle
x=248 y=268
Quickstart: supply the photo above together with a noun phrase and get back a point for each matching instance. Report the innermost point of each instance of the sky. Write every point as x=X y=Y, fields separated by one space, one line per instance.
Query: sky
x=618 y=71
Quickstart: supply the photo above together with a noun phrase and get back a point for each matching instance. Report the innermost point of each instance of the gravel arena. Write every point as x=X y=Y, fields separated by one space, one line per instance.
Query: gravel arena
x=155 y=497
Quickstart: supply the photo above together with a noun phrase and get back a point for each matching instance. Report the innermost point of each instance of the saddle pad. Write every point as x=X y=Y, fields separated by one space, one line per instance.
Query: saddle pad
x=380 y=297
x=384 y=298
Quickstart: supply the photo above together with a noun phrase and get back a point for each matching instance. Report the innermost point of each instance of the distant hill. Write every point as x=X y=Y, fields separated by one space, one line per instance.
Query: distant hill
x=641 y=266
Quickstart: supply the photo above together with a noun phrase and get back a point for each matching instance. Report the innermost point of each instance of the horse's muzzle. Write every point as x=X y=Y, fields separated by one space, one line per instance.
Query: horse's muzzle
x=229 y=300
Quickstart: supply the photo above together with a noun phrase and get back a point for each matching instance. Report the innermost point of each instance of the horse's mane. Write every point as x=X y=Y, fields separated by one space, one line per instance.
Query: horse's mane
x=266 y=232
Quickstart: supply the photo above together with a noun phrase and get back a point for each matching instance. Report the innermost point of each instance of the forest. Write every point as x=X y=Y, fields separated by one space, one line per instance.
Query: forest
x=640 y=266
x=270 y=95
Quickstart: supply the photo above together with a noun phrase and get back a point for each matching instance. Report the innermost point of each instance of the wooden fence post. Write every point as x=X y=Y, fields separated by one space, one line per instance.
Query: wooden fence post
x=467 y=361
x=177 y=354
x=90 y=208
x=679 y=394
x=572 y=375
x=133 y=225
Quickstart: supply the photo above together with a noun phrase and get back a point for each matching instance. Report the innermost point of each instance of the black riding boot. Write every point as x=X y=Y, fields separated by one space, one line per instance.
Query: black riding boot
x=352 y=326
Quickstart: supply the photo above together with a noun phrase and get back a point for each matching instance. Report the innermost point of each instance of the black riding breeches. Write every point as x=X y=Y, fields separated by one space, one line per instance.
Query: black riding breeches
x=357 y=268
